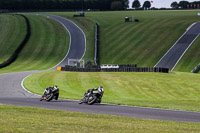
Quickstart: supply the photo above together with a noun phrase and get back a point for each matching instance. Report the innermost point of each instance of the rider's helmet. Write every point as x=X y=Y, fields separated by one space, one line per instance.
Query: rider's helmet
x=100 y=90
x=55 y=88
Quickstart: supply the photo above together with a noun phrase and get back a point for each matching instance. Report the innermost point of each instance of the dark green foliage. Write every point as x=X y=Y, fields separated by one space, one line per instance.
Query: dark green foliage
x=186 y=5
x=64 y=4
x=183 y=4
x=147 y=4
x=174 y=5
x=136 y=4
x=116 y=5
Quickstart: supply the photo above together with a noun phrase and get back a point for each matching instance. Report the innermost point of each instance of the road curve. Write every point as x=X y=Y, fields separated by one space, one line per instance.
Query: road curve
x=77 y=46
x=12 y=93
x=176 y=52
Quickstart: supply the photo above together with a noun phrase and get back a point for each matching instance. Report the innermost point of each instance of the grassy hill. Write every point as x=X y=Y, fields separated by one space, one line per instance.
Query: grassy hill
x=13 y=31
x=142 y=43
x=46 y=47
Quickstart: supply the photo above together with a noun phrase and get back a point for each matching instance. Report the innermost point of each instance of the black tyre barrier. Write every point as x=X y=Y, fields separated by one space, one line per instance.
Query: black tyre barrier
x=81 y=14
x=21 y=46
x=196 y=69
x=96 y=56
x=120 y=69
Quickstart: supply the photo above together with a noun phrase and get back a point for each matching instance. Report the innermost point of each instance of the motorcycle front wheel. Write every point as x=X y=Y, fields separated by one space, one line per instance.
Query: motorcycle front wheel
x=83 y=100
x=91 y=100
x=49 y=97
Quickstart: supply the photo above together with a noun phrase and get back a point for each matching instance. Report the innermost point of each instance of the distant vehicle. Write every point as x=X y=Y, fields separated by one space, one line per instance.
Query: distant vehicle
x=50 y=93
x=93 y=96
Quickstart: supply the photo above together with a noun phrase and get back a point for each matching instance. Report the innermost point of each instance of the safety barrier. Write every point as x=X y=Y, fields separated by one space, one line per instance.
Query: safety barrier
x=96 y=56
x=196 y=69
x=122 y=68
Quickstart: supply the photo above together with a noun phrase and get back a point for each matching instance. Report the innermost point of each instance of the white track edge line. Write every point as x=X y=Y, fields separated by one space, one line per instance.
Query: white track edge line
x=22 y=85
x=173 y=45
x=69 y=43
x=184 y=52
x=79 y=29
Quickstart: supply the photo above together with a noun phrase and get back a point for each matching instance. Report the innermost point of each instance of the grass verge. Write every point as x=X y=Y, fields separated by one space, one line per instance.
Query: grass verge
x=25 y=119
x=46 y=47
x=177 y=91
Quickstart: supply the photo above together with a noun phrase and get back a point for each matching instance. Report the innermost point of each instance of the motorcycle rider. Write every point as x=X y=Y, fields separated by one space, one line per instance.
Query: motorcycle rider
x=92 y=96
x=95 y=90
x=49 y=90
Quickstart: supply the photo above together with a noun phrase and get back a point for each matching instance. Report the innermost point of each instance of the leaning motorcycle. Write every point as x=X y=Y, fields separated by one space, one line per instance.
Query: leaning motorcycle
x=50 y=93
x=92 y=96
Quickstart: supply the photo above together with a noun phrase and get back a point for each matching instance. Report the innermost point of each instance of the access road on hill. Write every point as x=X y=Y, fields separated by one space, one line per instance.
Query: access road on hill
x=77 y=46
x=176 y=52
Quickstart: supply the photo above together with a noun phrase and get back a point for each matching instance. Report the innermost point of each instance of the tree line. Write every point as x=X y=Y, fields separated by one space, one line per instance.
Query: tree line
x=64 y=4
x=185 y=5
x=136 y=4
x=175 y=5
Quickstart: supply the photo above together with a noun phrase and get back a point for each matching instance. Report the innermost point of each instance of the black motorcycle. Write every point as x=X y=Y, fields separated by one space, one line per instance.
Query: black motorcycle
x=92 y=96
x=50 y=93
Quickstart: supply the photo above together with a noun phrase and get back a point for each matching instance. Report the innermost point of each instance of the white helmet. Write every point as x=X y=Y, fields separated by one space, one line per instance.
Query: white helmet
x=100 y=90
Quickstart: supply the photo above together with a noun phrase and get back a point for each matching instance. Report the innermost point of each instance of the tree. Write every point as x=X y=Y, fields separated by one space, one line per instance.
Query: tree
x=116 y=5
x=183 y=4
x=125 y=4
x=136 y=4
x=147 y=5
x=174 y=5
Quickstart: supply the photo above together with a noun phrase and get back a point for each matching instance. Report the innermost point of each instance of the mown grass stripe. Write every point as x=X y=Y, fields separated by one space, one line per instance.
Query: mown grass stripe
x=118 y=51
x=170 y=91
x=13 y=31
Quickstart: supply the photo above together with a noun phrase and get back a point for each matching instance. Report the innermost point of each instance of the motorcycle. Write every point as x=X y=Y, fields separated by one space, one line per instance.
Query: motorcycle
x=50 y=93
x=93 y=96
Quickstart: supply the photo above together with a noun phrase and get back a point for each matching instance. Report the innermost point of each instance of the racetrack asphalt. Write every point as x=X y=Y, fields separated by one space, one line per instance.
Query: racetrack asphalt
x=176 y=52
x=12 y=93
x=77 y=46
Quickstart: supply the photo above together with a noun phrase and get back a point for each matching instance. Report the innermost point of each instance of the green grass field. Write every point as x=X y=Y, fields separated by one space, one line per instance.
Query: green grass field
x=46 y=47
x=23 y=119
x=177 y=91
x=13 y=31
x=142 y=43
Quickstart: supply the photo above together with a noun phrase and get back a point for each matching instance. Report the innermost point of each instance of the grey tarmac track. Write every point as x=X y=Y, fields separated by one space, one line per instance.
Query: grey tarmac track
x=12 y=93
x=77 y=46
x=176 y=52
